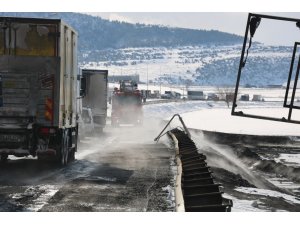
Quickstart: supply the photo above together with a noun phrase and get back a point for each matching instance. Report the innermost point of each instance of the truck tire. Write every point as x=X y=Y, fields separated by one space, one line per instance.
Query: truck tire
x=66 y=147
x=73 y=150
x=72 y=155
x=63 y=149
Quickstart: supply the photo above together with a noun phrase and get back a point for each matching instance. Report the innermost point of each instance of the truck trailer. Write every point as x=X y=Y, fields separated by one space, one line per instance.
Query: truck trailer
x=38 y=88
x=95 y=97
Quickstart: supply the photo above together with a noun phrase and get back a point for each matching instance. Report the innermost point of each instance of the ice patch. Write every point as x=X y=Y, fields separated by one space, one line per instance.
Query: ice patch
x=48 y=192
x=289 y=158
x=284 y=183
x=97 y=178
x=268 y=193
x=171 y=196
x=38 y=196
x=243 y=205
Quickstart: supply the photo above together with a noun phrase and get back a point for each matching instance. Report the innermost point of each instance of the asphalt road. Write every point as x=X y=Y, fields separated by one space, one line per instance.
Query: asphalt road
x=123 y=170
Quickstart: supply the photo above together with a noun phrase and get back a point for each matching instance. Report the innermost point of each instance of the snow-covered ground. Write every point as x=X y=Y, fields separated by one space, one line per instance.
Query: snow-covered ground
x=198 y=65
x=220 y=120
x=216 y=116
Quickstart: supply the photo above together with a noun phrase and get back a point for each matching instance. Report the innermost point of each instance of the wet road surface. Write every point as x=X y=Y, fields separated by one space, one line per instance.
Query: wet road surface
x=120 y=171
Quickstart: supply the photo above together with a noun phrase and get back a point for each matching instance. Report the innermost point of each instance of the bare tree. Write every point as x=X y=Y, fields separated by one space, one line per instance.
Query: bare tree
x=226 y=94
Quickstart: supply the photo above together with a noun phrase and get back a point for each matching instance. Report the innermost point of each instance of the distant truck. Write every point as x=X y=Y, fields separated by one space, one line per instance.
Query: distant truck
x=195 y=95
x=171 y=95
x=257 y=98
x=95 y=96
x=245 y=97
x=166 y=95
x=38 y=88
x=155 y=94
x=127 y=104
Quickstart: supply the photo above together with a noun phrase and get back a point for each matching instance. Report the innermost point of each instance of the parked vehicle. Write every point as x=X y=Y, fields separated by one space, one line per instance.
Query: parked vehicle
x=245 y=97
x=156 y=94
x=126 y=104
x=166 y=95
x=96 y=95
x=171 y=95
x=257 y=98
x=212 y=96
x=38 y=89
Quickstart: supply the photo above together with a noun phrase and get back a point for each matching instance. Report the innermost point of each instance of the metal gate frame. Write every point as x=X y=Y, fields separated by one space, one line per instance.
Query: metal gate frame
x=291 y=106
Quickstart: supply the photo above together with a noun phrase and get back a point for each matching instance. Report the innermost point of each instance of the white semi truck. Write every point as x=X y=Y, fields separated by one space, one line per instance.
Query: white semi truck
x=38 y=88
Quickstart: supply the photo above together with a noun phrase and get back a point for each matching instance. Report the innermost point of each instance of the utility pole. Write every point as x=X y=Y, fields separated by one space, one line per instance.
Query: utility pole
x=147 y=82
x=160 y=87
x=160 y=80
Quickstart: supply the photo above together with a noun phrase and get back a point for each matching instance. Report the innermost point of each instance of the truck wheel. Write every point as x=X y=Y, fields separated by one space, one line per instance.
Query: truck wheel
x=66 y=147
x=72 y=155
x=63 y=148
x=73 y=150
x=4 y=157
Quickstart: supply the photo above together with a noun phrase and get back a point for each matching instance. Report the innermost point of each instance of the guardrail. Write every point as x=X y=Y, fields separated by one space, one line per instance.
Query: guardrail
x=195 y=189
x=182 y=122
x=199 y=192
x=179 y=201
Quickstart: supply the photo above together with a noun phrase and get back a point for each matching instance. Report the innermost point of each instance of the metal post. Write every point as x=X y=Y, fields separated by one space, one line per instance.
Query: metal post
x=240 y=66
x=183 y=124
x=290 y=75
x=294 y=90
x=147 y=82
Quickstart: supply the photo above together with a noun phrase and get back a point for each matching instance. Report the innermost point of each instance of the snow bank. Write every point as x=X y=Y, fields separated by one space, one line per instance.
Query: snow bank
x=221 y=120
x=268 y=193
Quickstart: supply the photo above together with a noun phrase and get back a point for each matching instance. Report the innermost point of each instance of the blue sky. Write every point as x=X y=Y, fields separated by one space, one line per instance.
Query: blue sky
x=224 y=15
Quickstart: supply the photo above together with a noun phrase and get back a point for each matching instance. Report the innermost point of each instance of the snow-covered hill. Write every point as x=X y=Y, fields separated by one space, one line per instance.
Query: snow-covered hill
x=213 y=65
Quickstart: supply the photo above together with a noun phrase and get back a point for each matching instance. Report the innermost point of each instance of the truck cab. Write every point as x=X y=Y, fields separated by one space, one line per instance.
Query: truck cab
x=127 y=104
